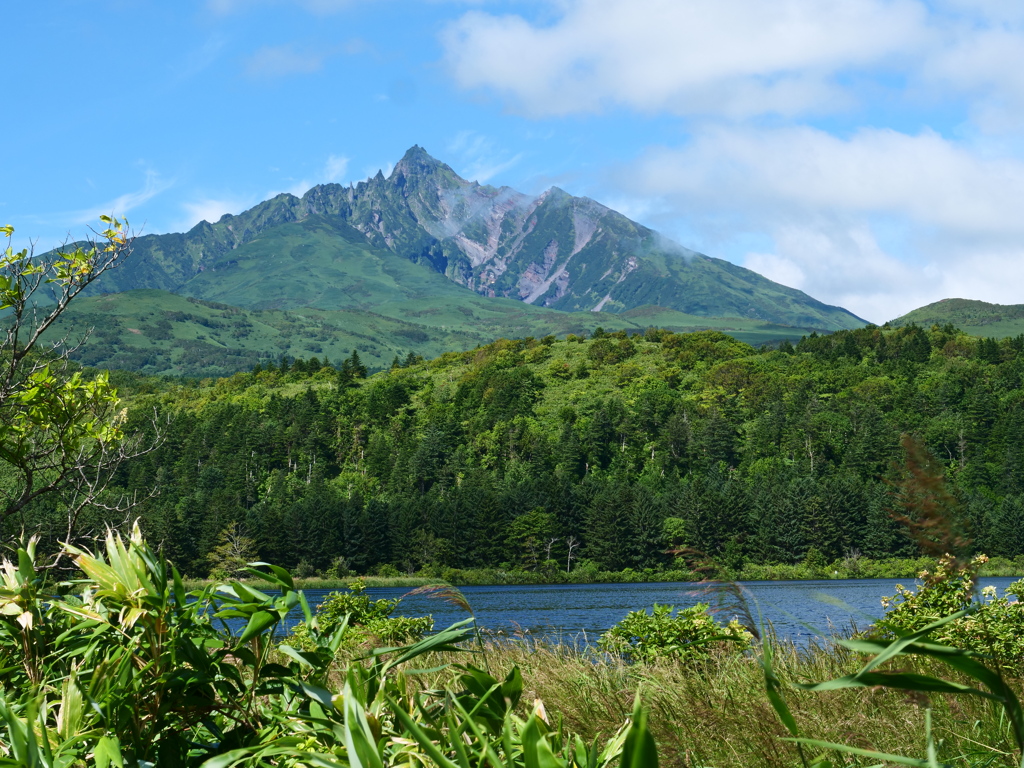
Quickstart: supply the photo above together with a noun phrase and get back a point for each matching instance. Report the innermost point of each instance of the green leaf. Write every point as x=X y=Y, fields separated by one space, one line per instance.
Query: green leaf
x=277 y=575
x=357 y=734
x=305 y=658
x=904 y=681
x=179 y=588
x=258 y=623
x=417 y=733
x=26 y=568
x=639 y=749
x=773 y=689
x=899 y=759
x=227 y=759
x=108 y=752
x=318 y=694
x=896 y=647
x=512 y=687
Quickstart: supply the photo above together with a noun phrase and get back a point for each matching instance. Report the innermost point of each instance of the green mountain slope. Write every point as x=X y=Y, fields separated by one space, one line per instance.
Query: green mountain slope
x=554 y=250
x=323 y=263
x=978 y=318
x=160 y=332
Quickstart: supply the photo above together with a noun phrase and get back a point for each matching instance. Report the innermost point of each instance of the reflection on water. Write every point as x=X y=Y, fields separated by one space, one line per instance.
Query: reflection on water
x=579 y=612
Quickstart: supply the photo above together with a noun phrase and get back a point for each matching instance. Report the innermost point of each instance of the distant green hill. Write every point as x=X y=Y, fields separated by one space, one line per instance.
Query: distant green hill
x=160 y=332
x=351 y=247
x=977 y=318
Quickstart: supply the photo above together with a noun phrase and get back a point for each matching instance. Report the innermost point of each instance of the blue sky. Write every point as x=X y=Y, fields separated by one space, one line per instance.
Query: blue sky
x=869 y=152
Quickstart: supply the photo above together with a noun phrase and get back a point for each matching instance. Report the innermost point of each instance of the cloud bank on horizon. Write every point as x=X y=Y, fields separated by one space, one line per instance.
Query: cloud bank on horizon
x=868 y=152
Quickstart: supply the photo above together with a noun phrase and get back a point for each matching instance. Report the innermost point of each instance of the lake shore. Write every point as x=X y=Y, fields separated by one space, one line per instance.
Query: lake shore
x=859 y=568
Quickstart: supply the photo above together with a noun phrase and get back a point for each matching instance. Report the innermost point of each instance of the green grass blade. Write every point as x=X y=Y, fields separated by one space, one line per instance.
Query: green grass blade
x=898 y=759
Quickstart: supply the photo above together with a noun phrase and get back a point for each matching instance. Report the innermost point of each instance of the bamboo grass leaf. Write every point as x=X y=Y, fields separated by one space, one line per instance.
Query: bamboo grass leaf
x=896 y=647
x=277 y=575
x=639 y=750
x=258 y=623
x=108 y=753
x=904 y=681
x=307 y=659
x=773 y=689
x=419 y=735
x=318 y=694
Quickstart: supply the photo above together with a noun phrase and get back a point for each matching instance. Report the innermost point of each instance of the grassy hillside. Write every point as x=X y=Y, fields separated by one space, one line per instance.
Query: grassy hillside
x=158 y=332
x=978 y=318
x=162 y=333
x=321 y=263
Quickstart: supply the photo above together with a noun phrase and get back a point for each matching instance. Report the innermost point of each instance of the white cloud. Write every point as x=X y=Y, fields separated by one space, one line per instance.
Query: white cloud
x=978 y=61
x=211 y=209
x=333 y=171
x=478 y=157
x=732 y=57
x=282 y=60
x=925 y=177
x=197 y=60
x=742 y=58
x=122 y=204
x=879 y=222
x=335 y=168
x=845 y=265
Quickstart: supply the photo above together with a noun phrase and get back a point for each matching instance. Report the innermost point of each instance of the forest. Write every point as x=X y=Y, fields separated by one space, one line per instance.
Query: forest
x=606 y=453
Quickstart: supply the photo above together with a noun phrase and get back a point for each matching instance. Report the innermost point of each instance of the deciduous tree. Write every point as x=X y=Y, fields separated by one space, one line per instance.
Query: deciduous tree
x=60 y=430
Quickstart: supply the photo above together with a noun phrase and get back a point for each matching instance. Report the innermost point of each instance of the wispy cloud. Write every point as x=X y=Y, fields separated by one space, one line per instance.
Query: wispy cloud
x=211 y=209
x=335 y=168
x=479 y=158
x=283 y=60
x=199 y=59
x=333 y=171
x=121 y=205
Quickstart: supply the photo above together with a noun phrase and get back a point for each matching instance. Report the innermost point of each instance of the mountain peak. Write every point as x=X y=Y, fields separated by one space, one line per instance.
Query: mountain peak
x=416 y=153
x=417 y=161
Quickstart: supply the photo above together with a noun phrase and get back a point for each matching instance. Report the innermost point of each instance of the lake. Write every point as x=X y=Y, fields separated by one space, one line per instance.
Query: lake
x=580 y=612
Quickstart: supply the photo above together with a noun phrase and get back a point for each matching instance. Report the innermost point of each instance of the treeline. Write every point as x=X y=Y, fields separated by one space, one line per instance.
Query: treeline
x=606 y=453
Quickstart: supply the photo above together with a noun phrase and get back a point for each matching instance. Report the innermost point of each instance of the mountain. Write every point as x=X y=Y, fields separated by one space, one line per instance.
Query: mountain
x=553 y=250
x=158 y=332
x=978 y=318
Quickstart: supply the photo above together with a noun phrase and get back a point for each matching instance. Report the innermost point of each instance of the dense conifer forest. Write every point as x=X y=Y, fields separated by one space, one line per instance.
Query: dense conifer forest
x=609 y=453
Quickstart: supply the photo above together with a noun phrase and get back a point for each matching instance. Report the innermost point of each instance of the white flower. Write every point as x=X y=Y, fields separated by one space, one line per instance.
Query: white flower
x=989 y=591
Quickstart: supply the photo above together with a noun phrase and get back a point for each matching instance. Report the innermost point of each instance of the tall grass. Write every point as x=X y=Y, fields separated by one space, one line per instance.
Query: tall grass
x=717 y=713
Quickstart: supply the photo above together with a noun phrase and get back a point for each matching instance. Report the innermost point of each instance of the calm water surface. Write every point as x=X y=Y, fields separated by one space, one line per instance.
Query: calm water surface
x=580 y=612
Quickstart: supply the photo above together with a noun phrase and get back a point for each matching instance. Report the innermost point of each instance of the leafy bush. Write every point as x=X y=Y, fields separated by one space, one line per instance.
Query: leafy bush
x=370 y=620
x=992 y=626
x=691 y=635
x=134 y=672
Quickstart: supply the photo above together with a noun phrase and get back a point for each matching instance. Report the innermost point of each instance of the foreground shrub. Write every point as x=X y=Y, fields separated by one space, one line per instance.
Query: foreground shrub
x=690 y=635
x=133 y=671
x=991 y=626
x=369 y=620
